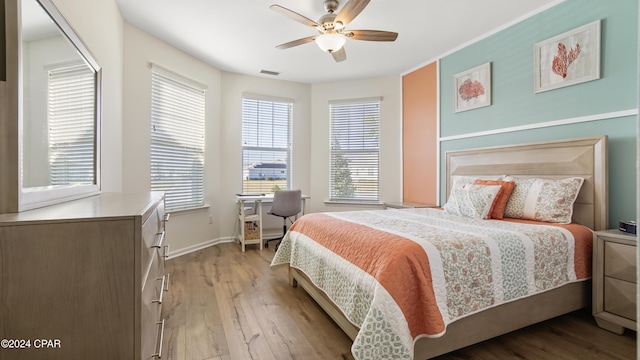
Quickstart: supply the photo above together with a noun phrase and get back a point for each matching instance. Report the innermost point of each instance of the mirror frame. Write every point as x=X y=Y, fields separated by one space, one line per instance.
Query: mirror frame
x=30 y=198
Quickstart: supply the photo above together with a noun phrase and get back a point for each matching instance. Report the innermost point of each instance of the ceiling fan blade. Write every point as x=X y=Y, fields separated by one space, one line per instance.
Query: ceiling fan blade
x=339 y=55
x=371 y=35
x=295 y=43
x=350 y=10
x=294 y=15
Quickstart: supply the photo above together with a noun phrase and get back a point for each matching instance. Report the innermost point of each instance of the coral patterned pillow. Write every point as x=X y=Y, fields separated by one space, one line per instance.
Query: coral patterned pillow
x=470 y=200
x=500 y=203
x=543 y=199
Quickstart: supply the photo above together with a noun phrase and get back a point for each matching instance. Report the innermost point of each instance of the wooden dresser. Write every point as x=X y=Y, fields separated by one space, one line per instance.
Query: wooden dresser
x=84 y=279
x=614 y=280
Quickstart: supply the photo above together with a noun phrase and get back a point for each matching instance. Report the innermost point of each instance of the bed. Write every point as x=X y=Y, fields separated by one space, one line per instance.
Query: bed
x=370 y=297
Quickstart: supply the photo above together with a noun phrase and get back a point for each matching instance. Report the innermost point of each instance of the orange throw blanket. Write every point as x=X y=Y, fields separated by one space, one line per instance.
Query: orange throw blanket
x=399 y=264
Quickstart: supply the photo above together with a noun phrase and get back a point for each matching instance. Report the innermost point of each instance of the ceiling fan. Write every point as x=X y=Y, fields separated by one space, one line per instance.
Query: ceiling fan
x=331 y=27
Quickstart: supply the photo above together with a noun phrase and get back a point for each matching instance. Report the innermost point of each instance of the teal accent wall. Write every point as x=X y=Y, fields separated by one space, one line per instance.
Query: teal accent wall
x=515 y=104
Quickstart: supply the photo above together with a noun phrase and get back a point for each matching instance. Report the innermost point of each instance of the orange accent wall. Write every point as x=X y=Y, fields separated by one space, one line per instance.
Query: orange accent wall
x=419 y=135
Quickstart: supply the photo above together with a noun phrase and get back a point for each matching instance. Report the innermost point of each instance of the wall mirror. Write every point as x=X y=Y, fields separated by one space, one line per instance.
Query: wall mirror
x=59 y=109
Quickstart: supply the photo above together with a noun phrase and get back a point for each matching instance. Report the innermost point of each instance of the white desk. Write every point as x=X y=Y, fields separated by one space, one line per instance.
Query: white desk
x=251 y=223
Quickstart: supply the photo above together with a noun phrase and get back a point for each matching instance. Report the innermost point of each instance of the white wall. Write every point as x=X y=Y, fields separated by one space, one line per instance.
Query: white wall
x=223 y=173
x=187 y=228
x=124 y=52
x=390 y=89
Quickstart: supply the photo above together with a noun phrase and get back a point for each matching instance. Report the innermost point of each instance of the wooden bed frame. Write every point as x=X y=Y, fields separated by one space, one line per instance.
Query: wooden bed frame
x=584 y=157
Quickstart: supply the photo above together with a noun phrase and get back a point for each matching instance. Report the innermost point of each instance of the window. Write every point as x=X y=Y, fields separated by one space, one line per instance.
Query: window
x=71 y=119
x=355 y=150
x=266 y=145
x=177 y=138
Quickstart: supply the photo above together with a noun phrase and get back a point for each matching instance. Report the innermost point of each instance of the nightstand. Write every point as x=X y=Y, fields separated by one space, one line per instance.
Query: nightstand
x=406 y=205
x=614 y=280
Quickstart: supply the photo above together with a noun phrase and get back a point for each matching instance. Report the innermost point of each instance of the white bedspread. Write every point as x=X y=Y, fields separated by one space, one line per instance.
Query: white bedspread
x=447 y=267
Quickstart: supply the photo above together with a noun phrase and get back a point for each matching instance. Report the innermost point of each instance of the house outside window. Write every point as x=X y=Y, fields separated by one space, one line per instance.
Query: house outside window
x=355 y=150
x=177 y=138
x=266 y=144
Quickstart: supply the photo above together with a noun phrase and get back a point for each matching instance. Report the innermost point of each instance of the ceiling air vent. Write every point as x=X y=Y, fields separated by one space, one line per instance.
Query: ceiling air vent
x=268 y=72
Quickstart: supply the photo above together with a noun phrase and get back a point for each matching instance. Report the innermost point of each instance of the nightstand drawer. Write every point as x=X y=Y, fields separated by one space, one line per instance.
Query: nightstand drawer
x=620 y=298
x=614 y=280
x=620 y=261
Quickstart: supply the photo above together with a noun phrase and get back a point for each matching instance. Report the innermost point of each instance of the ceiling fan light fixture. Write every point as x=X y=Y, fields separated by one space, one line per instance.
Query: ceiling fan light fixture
x=332 y=34
x=330 y=42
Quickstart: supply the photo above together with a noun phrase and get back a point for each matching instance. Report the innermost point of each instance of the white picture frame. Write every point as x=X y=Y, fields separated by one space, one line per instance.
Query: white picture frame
x=570 y=58
x=472 y=88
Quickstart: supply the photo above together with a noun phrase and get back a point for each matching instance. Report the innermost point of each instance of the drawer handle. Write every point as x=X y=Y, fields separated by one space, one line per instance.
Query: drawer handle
x=166 y=217
x=159 y=301
x=160 y=237
x=166 y=252
x=167 y=283
x=159 y=353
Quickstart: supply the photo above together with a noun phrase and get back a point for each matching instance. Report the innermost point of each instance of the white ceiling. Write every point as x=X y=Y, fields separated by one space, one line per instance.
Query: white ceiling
x=241 y=35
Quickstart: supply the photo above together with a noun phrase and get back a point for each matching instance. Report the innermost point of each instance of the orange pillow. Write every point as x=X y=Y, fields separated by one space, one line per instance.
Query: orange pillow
x=500 y=202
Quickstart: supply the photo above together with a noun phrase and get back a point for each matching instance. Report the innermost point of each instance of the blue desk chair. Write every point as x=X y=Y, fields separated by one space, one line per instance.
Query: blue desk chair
x=286 y=204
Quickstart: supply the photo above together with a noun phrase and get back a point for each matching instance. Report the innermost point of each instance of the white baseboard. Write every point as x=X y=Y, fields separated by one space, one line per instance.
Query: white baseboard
x=227 y=239
x=200 y=246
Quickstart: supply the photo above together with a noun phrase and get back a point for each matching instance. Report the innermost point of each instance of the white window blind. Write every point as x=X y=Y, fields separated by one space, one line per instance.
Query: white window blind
x=177 y=139
x=355 y=150
x=71 y=117
x=266 y=145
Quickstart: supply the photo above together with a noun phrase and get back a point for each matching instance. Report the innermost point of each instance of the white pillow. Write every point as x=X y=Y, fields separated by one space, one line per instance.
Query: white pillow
x=470 y=200
x=543 y=199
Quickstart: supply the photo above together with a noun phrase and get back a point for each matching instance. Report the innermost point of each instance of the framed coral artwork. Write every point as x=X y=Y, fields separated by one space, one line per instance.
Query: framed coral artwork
x=567 y=59
x=472 y=88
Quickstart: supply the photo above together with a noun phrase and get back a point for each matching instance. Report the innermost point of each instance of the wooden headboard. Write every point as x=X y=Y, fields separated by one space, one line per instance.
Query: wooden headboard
x=583 y=157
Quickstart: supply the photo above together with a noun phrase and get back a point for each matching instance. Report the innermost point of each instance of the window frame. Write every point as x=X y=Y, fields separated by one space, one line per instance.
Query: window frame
x=177 y=156
x=345 y=124
x=277 y=105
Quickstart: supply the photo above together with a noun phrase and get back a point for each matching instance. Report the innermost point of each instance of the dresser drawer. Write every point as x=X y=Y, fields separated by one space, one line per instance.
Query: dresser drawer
x=620 y=298
x=151 y=307
x=162 y=215
x=620 y=261
x=152 y=239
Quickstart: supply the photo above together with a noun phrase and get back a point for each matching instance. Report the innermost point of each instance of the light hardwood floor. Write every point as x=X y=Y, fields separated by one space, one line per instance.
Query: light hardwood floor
x=227 y=305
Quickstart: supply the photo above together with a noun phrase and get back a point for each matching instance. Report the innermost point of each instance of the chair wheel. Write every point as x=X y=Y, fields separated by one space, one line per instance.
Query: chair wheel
x=266 y=244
